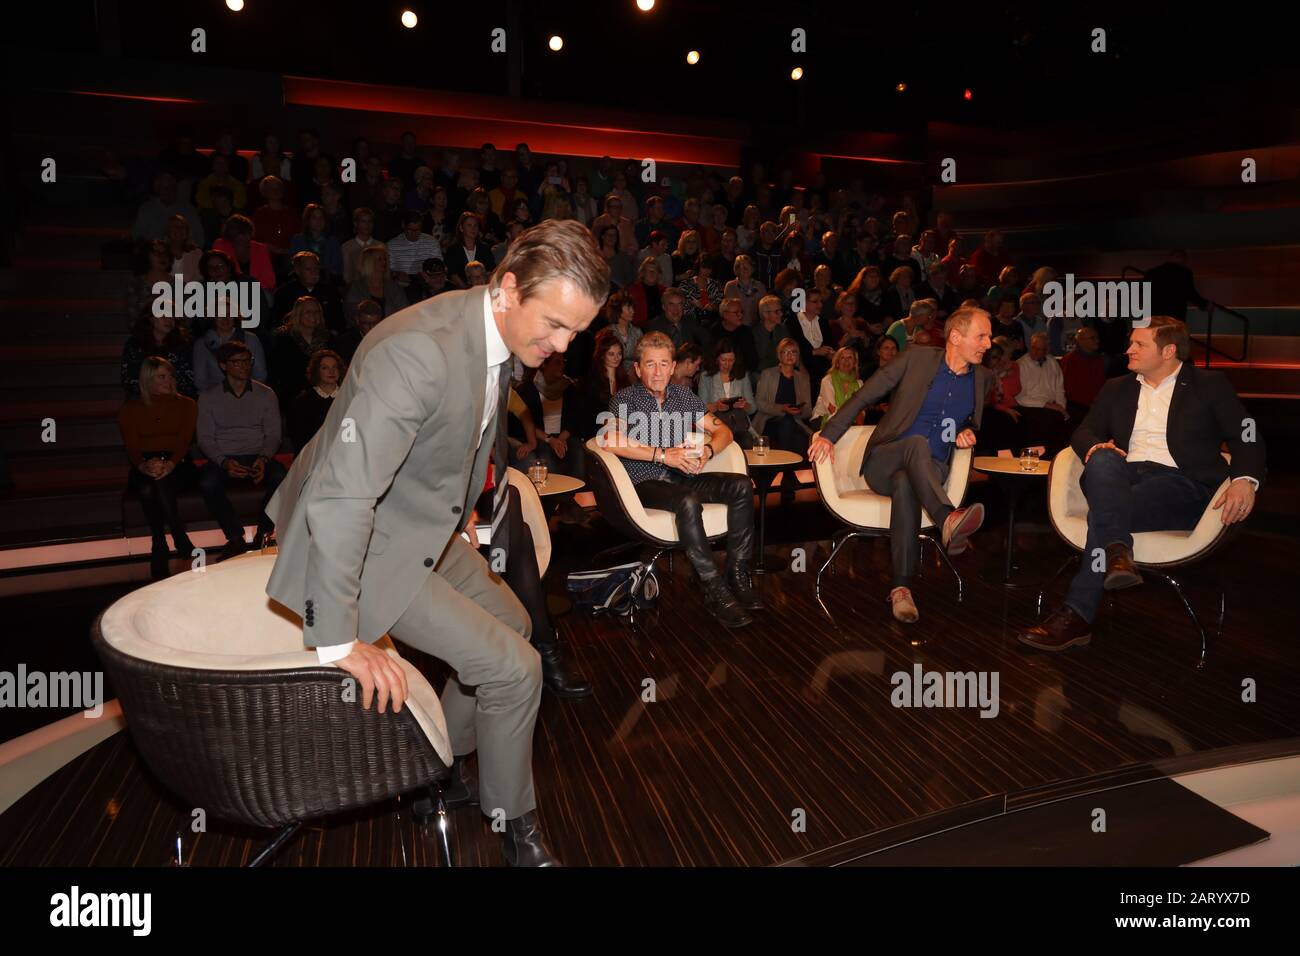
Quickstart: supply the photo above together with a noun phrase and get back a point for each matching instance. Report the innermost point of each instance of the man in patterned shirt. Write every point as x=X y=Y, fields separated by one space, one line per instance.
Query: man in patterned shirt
x=647 y=427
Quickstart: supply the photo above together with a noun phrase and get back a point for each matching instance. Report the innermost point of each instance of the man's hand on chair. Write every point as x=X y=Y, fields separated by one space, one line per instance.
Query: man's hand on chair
x=821 y=449
x=376 y=671
x=1237 y=502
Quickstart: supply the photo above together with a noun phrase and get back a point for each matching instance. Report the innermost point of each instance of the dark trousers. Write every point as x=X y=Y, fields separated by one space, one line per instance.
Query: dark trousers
x=787 y=433
x=686 y=495
x=213 y=482
x=905 y=471
x=521 y=573
x=1126 y=497
x=158 y=500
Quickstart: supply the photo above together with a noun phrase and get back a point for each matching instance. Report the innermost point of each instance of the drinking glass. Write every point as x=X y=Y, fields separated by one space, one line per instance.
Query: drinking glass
x=761 y=446
x=1029 y=459
x=537 y=473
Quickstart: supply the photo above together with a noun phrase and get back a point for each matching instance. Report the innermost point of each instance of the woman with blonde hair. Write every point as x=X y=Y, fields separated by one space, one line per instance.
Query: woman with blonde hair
x=647 y=291
x=303 y=334
x=688 y=251
x=157 y=430
x=374 y=282
x=838 y=386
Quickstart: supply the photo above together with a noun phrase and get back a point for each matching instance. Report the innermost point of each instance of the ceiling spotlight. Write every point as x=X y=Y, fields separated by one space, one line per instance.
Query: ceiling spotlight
x=693 y=57
x=967 y=96
x=901 y=88
x=556 y=43
x=796 y=73
x=409 y=19
x=645 y=6
x=234 y=6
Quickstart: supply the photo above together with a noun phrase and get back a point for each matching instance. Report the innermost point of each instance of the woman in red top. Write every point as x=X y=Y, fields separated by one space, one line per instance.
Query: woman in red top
x=1000 y=429
x=645 y=292
x=252 y=258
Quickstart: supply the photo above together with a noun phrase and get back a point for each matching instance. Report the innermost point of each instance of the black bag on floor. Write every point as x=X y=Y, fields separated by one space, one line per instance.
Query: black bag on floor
x=614 y=590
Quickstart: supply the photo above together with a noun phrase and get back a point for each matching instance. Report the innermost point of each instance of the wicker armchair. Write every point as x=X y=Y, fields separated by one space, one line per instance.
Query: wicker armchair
x=233 y=714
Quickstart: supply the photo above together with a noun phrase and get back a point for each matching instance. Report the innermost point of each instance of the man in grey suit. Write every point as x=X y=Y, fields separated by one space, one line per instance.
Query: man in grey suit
x=369 y=518
x=937 y=401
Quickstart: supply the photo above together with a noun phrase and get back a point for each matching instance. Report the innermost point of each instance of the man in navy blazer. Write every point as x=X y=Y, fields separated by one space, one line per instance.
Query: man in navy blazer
x=1151 y=452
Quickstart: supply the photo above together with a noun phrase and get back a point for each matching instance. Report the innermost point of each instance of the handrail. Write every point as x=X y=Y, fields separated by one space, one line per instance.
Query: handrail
x=1210 y=308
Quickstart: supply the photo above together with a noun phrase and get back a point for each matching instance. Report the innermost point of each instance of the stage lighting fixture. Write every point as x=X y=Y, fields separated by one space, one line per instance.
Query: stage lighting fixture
x=693 y=57
x=235 y=5
x=409 y=19
x=557 y=43
x=901 y=88
x=967 y=96
x=645 y=6
x=796 y=73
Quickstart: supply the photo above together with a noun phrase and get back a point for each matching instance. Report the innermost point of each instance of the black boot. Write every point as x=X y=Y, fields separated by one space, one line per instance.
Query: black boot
x=721 y=603
x=159 y=563
x=524 y=845
x=742 y=586
x=184 y=546
x=556 y=678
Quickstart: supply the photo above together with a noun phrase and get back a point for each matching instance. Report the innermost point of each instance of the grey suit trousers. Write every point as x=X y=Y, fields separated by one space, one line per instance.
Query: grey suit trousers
x=468 y=617
x=906 y=472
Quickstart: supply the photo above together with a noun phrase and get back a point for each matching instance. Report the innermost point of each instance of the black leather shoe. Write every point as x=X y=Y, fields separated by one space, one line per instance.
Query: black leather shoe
x=742 y=587
x=1121 y=572
x=524 y=845
x=556 y=678
x=184 y=548
x=722 y=604
x=460 y=790
x=1061 y=629
x=159 y=564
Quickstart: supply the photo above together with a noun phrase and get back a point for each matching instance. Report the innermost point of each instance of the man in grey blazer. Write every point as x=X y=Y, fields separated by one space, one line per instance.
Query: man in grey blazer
x=937 y=403
x=369 y=518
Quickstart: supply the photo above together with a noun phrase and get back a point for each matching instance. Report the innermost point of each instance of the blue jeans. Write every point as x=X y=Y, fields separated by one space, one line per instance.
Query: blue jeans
x=1126 y=497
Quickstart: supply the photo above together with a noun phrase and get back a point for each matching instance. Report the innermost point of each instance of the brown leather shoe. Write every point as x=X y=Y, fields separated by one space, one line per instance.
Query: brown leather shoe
x=1061 y=629
x=1121 y=572
x=959 y=526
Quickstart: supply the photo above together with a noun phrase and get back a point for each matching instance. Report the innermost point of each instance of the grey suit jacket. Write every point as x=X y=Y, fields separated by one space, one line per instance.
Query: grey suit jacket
x=374 y=499
x=908 y=377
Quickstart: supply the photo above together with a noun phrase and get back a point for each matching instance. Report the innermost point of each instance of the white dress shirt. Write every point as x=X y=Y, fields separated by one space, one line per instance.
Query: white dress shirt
x=498 y=353
x=812 y=329
x=1150 y=441
x=1040 y=384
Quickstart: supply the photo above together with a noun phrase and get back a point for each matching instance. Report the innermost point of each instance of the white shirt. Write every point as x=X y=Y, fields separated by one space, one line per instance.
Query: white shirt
x=812 y=330
x=498 y=353
x=1040 y=384
x=1150 y=441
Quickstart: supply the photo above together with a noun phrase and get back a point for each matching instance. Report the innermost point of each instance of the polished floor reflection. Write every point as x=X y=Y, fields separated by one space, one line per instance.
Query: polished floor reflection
x=705 y=747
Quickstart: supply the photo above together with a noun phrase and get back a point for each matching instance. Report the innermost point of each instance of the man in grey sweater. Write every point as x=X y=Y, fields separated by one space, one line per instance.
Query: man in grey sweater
x=238 y=432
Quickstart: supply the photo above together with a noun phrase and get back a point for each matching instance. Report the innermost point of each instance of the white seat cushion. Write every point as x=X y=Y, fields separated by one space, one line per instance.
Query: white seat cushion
x=659 y=524
x=222 y=619
x=847 y=495
x=1068 y=508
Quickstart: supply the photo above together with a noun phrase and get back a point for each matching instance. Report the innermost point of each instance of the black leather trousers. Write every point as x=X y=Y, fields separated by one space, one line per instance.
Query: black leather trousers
x=686 y=495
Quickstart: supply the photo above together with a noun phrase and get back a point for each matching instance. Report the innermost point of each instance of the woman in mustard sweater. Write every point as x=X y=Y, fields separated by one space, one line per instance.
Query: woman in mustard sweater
x=158 y=429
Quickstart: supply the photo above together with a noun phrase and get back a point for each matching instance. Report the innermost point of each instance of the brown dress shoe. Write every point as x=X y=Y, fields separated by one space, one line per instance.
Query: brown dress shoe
x=903 y=606
x=959 y=526
x=1061 y=629
x=1121 y=572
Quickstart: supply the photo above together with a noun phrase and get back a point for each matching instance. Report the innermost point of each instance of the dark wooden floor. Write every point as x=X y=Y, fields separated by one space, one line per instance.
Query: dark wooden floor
x=793 y=713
